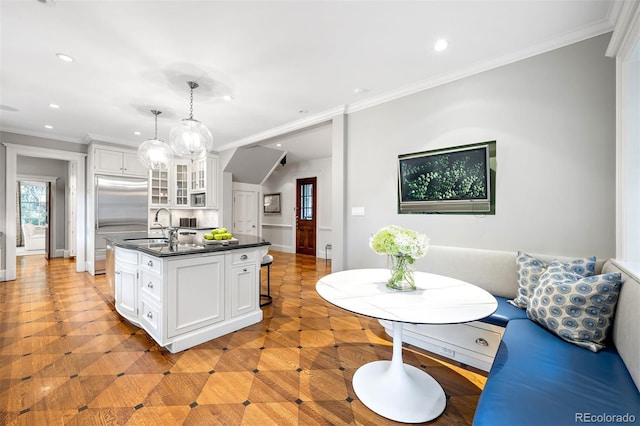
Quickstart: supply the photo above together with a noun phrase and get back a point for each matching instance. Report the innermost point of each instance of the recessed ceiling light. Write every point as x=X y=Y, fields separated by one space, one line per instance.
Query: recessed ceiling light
x=137 y=133
x=48 y=126
x=54 y=106
x=64 y=57
x=360 y=90
x=227 y=98
x=440 y=45
x=278 y=145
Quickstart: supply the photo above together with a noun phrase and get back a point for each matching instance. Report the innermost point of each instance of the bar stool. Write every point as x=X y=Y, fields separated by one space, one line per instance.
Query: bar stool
x=267 y=260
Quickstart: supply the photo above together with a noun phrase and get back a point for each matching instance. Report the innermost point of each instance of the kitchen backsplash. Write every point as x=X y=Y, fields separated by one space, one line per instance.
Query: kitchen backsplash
x=205 y=218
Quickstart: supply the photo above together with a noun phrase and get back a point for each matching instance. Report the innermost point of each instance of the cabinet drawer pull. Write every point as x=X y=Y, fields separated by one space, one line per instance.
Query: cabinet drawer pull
x=244 y=270
x=482 y=342
x=149 y=315
x=244 y=257
x=117 y=272
x=150 y=264
x=150 y=285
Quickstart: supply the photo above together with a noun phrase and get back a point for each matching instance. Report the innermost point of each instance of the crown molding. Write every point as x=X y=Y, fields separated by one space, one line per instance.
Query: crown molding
x=42 y=135
x=585 y=33
x=94 y=137
x=625 y=16
x=291 y=127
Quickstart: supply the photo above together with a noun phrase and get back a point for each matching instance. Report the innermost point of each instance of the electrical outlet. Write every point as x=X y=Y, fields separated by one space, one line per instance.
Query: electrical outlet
x=448 y=352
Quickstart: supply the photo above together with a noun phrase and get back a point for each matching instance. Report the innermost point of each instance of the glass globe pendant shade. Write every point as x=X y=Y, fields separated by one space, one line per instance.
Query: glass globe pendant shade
x=191 y=139
x=155 y=154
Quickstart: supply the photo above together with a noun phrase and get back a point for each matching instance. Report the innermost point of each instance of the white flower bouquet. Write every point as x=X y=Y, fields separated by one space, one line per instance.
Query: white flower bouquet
x=403 y=246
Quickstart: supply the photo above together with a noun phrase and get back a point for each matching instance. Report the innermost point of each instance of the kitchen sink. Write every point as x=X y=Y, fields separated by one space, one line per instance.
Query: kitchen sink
x=190 y=245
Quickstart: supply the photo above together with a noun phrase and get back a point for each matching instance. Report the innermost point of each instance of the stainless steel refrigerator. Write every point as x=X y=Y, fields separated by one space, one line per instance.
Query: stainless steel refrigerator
x=121 y=208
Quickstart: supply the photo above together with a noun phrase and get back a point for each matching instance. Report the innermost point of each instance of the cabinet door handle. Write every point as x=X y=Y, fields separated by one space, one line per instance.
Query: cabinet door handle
x=244 y=270
x=482 y=342
x=150 y=264
x=150 y=285
x=117 y=272
x=244 y=257
x=149 y=315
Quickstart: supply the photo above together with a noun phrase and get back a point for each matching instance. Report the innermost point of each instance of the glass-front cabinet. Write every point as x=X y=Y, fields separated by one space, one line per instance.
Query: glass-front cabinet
x=186 y=184
x=198 y=175
x=181 y=184
x=159 y=194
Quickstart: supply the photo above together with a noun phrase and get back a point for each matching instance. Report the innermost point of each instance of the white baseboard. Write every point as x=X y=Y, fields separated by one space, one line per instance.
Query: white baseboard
x=2 y=275
x=66 y=254
x=282 y=248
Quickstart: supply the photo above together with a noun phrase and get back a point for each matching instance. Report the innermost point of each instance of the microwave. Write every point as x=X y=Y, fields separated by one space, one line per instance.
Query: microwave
x=198 y=200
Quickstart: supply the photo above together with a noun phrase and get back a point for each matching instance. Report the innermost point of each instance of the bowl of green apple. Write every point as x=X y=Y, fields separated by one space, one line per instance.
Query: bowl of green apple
x=218 y=236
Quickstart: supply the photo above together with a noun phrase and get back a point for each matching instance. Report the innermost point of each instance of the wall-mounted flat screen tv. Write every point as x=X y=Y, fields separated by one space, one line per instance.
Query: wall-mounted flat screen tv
x=451 y=180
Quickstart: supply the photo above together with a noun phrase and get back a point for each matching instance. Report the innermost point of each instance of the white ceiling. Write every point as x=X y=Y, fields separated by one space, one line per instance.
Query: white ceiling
x=285 y=63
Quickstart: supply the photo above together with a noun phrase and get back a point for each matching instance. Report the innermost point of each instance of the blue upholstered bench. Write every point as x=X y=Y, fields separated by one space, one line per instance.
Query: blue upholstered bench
x=506 y=312
x=539 y=379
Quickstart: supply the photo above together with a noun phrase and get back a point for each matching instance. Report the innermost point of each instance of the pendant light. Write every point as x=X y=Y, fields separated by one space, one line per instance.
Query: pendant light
x=154 y=153
x=191 y=139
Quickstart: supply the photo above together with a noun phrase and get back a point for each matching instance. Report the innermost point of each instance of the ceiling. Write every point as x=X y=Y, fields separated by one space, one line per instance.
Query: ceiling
x=285 y=64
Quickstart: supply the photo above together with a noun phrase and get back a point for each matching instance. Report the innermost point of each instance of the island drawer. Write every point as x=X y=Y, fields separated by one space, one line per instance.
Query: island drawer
x=151 y=317
x=244 y=257
x=151 y=284
x=151 y=263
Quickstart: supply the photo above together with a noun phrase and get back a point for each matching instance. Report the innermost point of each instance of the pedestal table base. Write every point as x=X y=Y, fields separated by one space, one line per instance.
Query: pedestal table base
x=399 y=391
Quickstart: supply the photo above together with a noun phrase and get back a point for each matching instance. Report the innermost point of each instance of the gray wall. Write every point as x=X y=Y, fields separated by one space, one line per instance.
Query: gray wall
x=553 y=117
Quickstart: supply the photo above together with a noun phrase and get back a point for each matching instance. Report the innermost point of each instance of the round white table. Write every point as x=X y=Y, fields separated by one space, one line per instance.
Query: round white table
x=395 y=390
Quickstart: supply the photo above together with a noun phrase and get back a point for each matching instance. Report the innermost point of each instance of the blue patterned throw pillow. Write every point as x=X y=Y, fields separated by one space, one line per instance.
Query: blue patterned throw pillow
x=576 y=308
x=530 y=271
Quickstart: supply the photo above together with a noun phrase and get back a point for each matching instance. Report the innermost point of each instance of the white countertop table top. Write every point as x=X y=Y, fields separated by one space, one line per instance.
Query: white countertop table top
x=395 y=390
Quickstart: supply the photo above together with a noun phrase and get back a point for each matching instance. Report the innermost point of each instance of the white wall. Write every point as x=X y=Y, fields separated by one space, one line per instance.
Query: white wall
x=279 y=228
x=553 y=117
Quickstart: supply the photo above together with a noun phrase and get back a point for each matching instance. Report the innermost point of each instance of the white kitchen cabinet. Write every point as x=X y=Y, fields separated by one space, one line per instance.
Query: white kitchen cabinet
x=195 y=296
x=182 y=301
x=114 y=161
x=174 y=187
x=126 y=283
x=212 y=182
x=242 y=283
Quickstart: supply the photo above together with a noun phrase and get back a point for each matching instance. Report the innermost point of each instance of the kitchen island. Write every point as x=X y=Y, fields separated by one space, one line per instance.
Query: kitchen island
x=186 y=294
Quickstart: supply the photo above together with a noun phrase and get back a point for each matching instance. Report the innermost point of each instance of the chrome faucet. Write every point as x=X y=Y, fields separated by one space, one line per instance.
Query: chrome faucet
x=173 y=232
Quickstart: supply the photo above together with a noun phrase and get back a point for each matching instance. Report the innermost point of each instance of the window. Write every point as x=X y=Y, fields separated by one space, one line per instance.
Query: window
x=306 y=201
x=33 y=202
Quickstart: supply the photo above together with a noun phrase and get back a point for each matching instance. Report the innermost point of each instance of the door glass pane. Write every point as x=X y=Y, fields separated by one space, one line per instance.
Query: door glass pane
x=306 y=201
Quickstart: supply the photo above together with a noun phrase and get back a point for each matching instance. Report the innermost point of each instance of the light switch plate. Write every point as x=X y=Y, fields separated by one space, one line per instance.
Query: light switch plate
x=357 y=211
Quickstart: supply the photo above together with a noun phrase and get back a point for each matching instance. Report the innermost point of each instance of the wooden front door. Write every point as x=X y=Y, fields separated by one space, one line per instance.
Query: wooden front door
x=306 y=216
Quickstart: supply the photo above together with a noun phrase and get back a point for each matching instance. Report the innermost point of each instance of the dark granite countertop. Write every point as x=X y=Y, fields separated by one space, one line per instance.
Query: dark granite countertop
x=156 y=247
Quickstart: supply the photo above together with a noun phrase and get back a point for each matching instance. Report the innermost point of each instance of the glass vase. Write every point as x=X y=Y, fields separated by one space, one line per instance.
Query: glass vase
x=401 y=273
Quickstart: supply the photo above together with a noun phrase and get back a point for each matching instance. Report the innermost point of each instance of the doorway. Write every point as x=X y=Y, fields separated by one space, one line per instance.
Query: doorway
x=306 y=216
x=33 y=203
x=245 y=208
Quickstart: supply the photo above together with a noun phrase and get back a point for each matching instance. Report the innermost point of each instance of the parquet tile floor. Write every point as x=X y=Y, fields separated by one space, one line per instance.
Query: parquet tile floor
x=67 y=357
